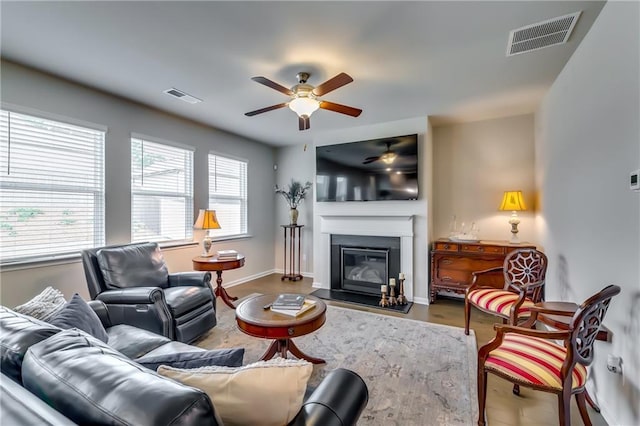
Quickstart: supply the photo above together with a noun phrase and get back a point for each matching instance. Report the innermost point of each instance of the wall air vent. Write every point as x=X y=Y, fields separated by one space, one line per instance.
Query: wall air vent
x=543 y=34
x=182 y=96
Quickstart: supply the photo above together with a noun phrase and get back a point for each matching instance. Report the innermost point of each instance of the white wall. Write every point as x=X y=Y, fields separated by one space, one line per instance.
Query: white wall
x=417 y=208
x=28 y=88
x=474 y=163
x=587 y=142
x=298 y=163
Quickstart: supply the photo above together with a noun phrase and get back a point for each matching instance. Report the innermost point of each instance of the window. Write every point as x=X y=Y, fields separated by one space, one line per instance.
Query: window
x=161 y=192
x=228 y=195
x=51 y=188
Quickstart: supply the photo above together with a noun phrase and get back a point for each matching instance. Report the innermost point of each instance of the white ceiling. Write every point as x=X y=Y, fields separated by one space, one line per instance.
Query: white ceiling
x=407 y=59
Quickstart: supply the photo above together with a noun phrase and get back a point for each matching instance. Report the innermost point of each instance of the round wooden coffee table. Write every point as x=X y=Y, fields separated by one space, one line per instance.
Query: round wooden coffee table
x=256 y=321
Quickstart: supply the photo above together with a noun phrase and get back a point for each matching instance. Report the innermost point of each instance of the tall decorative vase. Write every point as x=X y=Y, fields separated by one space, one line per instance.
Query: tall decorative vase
x=293 y=216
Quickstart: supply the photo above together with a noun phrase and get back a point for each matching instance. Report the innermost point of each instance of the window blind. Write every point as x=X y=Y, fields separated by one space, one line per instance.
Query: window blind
x=161 y=192
x=52 y=188
x=228 y=195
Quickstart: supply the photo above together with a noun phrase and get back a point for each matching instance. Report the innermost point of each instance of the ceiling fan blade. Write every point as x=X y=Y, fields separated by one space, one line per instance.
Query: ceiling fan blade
x=272 y=84
x=342 y=109
x=370 y=159
x=332 y=84
x=304 y=123
x=266 y=109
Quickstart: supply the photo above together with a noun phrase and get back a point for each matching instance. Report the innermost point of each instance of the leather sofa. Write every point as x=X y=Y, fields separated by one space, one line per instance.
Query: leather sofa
x=133 y=280
x=85 y=381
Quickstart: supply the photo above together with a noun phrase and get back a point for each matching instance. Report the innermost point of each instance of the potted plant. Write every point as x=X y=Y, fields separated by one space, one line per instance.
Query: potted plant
x=294 y=193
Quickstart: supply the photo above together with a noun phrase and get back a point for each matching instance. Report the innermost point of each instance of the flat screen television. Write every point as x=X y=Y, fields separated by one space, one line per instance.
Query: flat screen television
x=370 y=170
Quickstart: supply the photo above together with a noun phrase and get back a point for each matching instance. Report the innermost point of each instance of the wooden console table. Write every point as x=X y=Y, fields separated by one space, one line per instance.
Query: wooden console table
x=292 y=252
x=453 y=262
x=218 y=265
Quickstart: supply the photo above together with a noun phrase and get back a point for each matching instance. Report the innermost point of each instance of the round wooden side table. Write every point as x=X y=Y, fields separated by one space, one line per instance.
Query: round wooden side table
x=218 y=265
x=254 y=320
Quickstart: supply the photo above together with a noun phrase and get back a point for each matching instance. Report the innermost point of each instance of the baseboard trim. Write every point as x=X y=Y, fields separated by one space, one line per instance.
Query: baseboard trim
x=304 y=274
x=259 y=275
x=247 y=278
x=421 y=300
x=608 y=416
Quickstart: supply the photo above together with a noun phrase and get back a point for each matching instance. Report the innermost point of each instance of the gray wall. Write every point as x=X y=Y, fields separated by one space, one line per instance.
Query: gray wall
x=474 y=163
x=587 y=143
x=27 y=88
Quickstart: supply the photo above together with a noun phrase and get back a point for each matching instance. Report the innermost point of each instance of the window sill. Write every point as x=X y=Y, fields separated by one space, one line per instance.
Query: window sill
x=40 y=263
x=233 y=237
x=75 y=257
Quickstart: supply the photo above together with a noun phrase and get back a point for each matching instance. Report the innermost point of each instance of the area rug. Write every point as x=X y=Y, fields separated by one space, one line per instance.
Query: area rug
x=417 y=373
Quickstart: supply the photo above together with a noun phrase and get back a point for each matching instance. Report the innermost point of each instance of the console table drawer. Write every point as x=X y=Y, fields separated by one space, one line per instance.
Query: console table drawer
x=453 y=276
x=446 y=247
x=475 y=248
x=468 y=264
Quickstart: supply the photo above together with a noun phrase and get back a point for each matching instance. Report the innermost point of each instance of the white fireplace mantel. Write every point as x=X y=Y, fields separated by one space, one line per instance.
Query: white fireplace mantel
x=384 y=226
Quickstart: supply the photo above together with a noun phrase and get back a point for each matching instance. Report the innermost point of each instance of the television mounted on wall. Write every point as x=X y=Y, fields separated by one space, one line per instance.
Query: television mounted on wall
x=368 y=170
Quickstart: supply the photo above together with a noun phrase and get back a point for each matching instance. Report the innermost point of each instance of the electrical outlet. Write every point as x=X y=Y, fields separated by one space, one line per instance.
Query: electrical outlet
x=614 y=364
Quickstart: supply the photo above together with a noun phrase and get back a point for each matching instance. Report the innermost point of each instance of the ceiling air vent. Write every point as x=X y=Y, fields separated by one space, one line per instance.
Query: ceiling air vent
x=543 y=34
x=182 y=96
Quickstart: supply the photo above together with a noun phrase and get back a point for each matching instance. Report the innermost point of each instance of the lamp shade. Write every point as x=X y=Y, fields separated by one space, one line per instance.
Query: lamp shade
x=512 y=200
x=207 y=220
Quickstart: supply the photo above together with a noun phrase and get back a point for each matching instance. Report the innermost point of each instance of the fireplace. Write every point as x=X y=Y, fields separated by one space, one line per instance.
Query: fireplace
x=362 y=263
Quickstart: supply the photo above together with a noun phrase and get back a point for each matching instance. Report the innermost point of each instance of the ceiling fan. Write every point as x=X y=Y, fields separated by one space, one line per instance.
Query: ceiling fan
x=386 y=157
x=305 y=98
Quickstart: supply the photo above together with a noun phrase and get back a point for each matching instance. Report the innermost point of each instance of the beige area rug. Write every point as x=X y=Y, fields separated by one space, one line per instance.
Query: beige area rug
x=417 y=373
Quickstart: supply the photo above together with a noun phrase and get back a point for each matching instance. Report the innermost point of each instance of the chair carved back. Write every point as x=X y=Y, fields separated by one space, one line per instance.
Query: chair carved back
x=586 y=323
x=525 y=269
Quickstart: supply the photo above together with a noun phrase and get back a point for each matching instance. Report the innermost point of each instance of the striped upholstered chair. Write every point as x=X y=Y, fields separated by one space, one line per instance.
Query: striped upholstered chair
x=524 y=272
x=534 y=358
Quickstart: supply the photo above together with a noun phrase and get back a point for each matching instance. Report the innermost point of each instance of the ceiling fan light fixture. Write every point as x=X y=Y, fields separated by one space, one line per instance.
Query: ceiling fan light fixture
x=304 y=106
x=388 y=157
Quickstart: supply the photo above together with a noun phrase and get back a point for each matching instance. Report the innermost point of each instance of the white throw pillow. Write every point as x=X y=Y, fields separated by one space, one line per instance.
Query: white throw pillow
x=266 y=393
x=44 y=306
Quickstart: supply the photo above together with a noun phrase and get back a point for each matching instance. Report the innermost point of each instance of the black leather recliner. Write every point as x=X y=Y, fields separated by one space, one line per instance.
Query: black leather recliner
x=133 y=280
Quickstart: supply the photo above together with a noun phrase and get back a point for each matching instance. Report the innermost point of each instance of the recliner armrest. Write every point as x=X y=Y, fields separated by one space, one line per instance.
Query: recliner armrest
x=101 y=310
x=132 y=295
x=337 y=401
x=180 y=279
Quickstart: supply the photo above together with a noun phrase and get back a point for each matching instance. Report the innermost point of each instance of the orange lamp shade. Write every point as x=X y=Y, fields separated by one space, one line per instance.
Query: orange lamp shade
x=512 y=200
x=207 y=220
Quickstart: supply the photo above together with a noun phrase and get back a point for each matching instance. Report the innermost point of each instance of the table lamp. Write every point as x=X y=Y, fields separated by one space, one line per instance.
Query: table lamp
x=206 y=220
x=512 y=200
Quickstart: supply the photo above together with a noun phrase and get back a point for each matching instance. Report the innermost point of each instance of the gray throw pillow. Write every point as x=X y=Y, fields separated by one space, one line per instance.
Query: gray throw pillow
x=220 y=357
x=44 y=306
x=78 y=314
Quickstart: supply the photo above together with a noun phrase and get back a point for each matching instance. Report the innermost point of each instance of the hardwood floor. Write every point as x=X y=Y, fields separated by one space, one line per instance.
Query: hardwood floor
x=531 y=408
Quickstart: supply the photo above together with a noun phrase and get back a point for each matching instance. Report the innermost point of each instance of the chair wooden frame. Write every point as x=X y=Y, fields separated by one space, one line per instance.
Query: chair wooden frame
x=524 y=272
x=578 y=340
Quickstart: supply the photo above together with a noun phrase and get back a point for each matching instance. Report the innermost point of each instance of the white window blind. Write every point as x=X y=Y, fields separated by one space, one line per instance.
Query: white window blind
x=161 y=192
x=52 y=188
x=228 y=195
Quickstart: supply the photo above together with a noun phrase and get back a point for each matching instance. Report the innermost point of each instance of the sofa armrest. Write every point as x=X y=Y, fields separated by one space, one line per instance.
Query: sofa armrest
x=337 y=401
x=101 y=310
x=180 y=279
x=21 y=407
x=132 y=296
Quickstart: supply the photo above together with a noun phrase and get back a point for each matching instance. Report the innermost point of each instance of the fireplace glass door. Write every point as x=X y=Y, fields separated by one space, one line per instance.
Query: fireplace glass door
x=364 y=269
